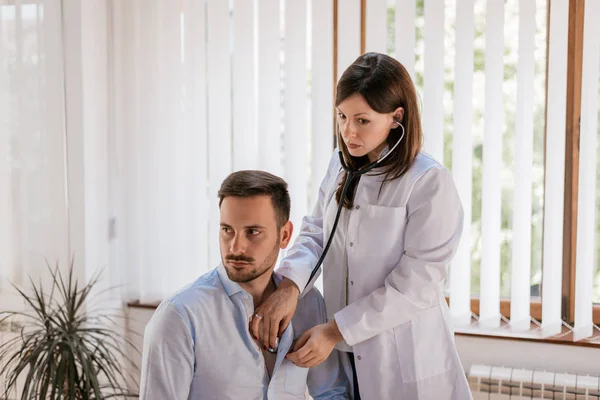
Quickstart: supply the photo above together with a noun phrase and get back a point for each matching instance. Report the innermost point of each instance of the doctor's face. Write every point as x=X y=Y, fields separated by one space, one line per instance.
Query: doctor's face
x=249 y=237
x=363 y=130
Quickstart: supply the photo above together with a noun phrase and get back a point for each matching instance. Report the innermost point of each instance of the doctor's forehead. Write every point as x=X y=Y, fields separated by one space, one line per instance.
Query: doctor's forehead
x=354 y=104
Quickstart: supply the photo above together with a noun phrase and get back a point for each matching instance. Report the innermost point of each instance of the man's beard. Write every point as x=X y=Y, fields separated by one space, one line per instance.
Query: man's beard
x=246 y=276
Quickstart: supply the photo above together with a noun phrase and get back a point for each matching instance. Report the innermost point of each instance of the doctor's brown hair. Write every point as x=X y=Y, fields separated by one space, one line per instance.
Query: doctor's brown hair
x=386 y=85
x=252 y=183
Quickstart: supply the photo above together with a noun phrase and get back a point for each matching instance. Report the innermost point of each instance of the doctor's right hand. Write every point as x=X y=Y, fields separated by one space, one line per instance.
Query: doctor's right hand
x=275 y=313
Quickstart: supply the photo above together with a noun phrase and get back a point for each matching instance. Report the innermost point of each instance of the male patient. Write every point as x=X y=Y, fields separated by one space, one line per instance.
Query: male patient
x=197 y=344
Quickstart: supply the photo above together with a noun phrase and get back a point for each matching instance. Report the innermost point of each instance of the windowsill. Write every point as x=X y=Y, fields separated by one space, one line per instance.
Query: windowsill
x=147 y=306
x=535 y=308
x=473 y=330
x=565 y=338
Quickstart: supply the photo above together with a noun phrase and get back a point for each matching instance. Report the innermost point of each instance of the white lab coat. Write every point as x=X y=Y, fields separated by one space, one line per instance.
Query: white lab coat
x=388 y=262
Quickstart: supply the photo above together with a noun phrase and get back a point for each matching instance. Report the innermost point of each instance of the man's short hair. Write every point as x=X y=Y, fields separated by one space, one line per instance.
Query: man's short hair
x=256 y=183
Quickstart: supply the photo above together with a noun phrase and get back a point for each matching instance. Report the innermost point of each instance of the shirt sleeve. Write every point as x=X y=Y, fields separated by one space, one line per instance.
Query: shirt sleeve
x=433 y=230
x=308 y=247
x=168 y=356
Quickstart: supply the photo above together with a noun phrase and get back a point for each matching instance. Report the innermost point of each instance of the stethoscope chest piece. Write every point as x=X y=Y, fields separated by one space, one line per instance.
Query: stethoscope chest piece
x=274 y=349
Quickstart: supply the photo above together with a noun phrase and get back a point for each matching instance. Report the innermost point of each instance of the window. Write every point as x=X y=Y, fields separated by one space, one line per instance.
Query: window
x=499 y=83
x=500 y=49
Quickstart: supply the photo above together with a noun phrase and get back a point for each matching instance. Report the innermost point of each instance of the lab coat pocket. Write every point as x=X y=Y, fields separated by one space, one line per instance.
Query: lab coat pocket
x=295 y=378
x=424 y=346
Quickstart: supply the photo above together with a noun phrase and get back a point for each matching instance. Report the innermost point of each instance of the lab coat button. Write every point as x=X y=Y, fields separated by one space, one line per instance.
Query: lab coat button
x=351 y=244
x=357 y=207
x=358 y=357
x=352 y=283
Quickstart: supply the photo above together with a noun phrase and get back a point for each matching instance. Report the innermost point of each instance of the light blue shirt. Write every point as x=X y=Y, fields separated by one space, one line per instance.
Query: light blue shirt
x=197 y=346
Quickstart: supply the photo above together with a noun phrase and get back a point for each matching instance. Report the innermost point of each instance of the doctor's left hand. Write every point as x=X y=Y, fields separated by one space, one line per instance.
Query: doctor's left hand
x=315 y=345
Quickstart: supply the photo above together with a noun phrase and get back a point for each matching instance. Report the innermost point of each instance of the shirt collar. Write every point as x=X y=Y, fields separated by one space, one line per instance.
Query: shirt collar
x=232 y=287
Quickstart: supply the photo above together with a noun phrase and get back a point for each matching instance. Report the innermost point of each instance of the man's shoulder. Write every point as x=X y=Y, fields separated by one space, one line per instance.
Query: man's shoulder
x=311 y=297
x=205 y=287
x=311 y=307
x=189 y=303
x=202 y=291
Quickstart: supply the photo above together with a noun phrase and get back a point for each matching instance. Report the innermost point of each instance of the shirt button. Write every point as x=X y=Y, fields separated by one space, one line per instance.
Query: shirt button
x=359 y=358
x=352 y=283
x=357 y=207
x=351 y=244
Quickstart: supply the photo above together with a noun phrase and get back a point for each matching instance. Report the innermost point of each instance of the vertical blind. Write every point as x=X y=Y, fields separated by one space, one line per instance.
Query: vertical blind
x=555 y=167
x=218 y=87
x=586 y=255
x=33 y=186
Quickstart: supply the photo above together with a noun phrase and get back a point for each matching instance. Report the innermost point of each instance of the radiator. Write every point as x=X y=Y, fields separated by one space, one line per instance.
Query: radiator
x=500 y=383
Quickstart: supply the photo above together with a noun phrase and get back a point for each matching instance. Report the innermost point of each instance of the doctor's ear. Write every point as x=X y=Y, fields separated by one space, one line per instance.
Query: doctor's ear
x=398 y=116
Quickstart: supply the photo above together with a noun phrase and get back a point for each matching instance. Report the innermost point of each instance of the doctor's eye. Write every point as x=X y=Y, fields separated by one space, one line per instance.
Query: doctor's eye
x=363 y=121
x=341 y=116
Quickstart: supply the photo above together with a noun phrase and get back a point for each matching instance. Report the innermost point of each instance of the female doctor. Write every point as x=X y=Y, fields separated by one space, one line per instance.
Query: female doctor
x=384 y=272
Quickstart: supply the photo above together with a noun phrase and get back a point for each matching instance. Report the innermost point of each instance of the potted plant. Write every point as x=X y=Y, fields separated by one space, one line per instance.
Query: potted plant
x=64 y=349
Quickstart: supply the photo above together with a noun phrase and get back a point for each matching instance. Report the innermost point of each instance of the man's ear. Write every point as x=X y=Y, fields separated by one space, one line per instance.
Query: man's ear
x=285 y=234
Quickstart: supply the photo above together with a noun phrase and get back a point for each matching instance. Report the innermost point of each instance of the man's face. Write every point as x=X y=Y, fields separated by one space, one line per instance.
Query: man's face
x=249 y=238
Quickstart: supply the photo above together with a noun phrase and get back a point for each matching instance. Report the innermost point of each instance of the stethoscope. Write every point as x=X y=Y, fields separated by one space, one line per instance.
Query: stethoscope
x=352 y=174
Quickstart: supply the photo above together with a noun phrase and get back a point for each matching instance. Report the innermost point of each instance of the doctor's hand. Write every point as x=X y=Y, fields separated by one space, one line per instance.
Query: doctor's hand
x=275 y=313
x=315 y=345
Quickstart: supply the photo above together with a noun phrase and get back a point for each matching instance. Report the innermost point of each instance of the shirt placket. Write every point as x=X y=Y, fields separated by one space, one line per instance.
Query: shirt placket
x=248 y=308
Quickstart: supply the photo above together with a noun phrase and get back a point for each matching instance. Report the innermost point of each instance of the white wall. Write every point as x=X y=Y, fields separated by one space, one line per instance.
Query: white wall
x=136 y=321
